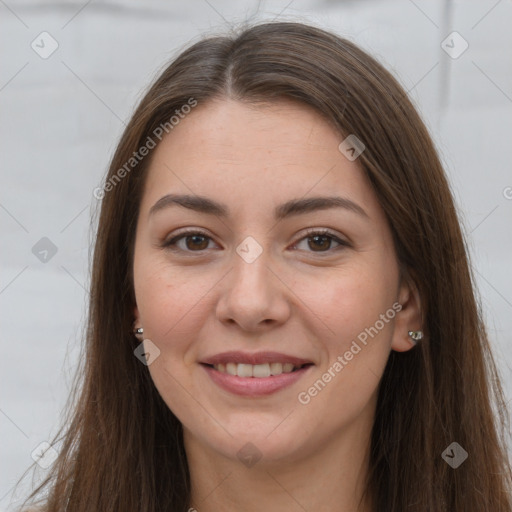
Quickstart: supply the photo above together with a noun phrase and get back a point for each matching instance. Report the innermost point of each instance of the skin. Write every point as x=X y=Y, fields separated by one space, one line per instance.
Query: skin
x=300 y=297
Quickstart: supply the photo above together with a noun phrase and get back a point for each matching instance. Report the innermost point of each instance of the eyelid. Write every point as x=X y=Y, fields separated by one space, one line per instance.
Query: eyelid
x=185 y=232
x=324 y=232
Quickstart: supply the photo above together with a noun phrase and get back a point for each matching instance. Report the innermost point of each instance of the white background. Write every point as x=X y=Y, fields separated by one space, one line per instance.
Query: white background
x=61 y=118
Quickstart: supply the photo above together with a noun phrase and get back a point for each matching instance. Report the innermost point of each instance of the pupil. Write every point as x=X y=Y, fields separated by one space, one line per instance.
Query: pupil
x=322 y=241
x=324 y=238
x=194 y=244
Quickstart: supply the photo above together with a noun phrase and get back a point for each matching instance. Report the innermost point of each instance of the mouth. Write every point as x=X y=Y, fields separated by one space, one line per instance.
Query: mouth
x=254 y=375
x=258 y=371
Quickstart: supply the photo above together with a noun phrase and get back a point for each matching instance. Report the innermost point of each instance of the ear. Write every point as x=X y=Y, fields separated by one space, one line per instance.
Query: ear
x=409 y=318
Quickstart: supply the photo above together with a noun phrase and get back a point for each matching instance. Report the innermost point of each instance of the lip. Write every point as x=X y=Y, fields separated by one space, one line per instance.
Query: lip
x=255 y=386
x=239 y=357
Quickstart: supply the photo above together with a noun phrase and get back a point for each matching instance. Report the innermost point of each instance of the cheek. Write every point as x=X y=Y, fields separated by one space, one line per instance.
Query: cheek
x=170 y=301
x=348 y=300
x=357 y=306
x=172 y=306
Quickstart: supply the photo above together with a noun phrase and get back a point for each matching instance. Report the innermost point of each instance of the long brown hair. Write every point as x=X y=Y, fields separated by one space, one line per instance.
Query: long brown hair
x=122 y=449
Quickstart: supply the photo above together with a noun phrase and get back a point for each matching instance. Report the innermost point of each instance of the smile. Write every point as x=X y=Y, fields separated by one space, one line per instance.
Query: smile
x=256 y=370
x=244 y=382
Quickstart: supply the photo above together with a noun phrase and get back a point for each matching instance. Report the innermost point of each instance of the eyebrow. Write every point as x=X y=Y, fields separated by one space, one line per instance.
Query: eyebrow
x=291 y=208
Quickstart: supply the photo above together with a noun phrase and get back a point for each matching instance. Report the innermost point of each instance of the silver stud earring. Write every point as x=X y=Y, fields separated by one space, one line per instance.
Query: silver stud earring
x=139 y=332
x=415 y=336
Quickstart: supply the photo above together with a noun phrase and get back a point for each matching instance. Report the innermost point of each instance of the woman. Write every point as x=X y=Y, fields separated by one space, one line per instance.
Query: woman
x=282 y=314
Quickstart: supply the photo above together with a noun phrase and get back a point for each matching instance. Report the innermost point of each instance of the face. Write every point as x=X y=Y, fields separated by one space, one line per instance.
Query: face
x=264 y=276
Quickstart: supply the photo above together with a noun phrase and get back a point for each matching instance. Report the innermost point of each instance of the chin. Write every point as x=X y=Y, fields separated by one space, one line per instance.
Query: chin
x=265 y=443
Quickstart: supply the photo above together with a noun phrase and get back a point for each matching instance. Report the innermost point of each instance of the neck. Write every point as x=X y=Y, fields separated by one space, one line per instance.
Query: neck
x=327 y=478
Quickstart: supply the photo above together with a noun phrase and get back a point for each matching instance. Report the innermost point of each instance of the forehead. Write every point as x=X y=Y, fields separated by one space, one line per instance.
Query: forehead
x=254 y=154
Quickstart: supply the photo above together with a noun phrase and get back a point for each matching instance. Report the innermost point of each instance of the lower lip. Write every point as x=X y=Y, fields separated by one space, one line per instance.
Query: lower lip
x=254 y=386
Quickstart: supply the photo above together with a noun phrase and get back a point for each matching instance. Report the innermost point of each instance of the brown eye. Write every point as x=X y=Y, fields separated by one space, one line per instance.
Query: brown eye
x=195 y=241
x=321 y=242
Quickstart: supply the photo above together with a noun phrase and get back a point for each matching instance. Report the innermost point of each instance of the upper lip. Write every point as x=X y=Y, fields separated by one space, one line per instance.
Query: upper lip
x=255 y=358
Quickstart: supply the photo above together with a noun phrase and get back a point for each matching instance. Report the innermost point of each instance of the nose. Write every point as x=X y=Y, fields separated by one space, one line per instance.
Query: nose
x=253 y=295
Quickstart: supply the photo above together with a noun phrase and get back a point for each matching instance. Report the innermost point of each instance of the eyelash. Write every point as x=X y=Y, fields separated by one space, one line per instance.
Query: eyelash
x=170 y=244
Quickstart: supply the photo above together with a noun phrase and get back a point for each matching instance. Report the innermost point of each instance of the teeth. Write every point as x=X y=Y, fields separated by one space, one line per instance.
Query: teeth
x=230 y=368
x=244 y=370
x=276 y=368
x=255 y=370
x=261 y=370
